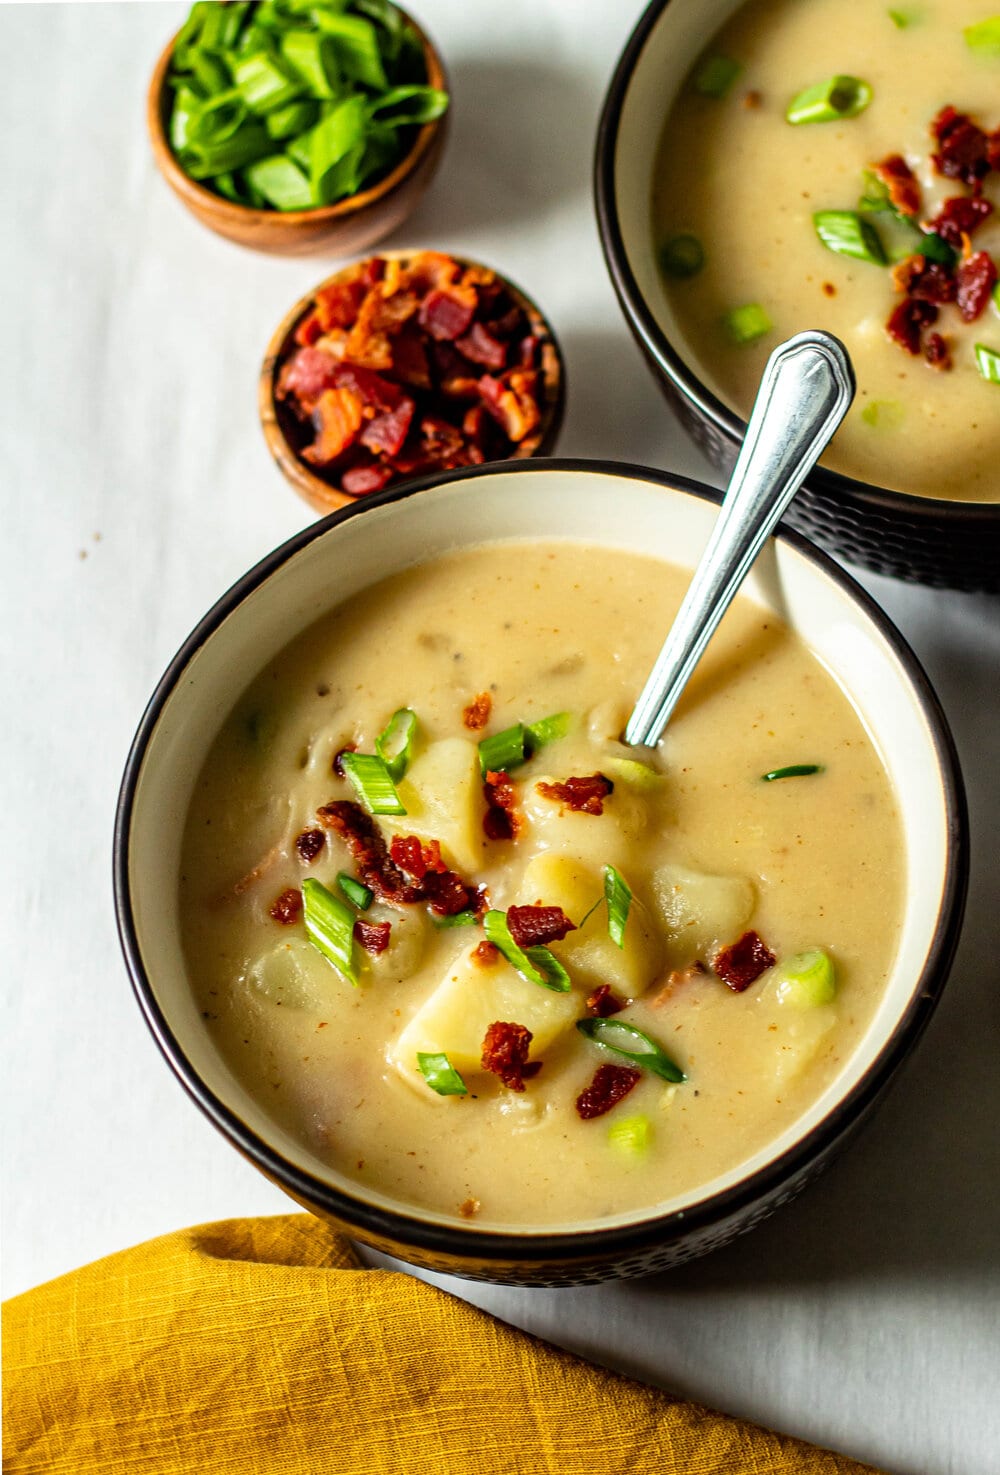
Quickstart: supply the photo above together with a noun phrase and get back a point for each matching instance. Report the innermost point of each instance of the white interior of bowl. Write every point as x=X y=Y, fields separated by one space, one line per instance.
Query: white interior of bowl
x=601 y=508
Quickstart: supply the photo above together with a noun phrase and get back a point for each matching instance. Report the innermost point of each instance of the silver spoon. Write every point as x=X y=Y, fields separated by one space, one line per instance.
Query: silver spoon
x=805 y=392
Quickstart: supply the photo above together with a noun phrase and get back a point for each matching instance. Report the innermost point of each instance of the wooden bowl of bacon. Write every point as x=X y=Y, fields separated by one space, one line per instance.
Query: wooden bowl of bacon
x=403 y=365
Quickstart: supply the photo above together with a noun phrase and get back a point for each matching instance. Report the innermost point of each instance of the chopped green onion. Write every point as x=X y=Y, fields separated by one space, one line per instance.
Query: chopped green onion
x=356 y=42
x=547 y=730
x=995 y=294
x=362 y=896
x=716 y=75
x=290 y=121
x=314 y=58
x=281 y=182
x=794 y=770
x=884 y=414
x=439 y=1073
x=744 y=324
x=829 y=101
x=457 y=919
x=503 y=751
x=409 y=107
x=632 y=1135
x=337 y=143
x=264 y=84
x=807 y=980
x=936 y=249
x=588 y=914
x=250 y=142
x=535 y=964
x=901 y=19
x=682 y=256
x=988 y=363
x=394 y=744
x=372 y=782
x=984 y=36
x=847 y=234
x=618 y=895
x=633 y=1045
x=633 y=774
x=330 y=927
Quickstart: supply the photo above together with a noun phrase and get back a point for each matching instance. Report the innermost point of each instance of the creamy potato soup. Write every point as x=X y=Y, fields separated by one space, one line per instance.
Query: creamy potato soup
x=594 y=978
x=796 y=187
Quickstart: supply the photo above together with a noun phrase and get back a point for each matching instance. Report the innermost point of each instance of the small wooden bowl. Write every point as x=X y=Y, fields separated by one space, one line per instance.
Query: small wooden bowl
x=286 y=435
x=344 y=229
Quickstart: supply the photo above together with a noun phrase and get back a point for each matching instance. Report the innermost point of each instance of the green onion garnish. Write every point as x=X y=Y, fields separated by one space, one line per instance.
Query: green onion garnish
x=846 y=233
x=394 y=744
x=829 y=101
x=330 y=927
x=744 y=324
x=503 y=751
x=984 y=36
x=631 y=1134
x=631 y=1044
x=807 y=980
x=884 y=414
x=988 y=363
x=682 y=256
x=535 y=964
x=794 y=770
x=903 y=18
x=995 y=294
x=457 y=919
x=633 y=774
x=716 y=75
x=360 y=895
x=547 y=730
x=618 y=895
x=281 y=183
x=372 y=782
x=441 y=1075
x=935 y=249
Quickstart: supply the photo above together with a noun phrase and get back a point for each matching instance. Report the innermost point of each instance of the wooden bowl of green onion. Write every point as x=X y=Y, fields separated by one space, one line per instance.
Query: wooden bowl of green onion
x=301 y=127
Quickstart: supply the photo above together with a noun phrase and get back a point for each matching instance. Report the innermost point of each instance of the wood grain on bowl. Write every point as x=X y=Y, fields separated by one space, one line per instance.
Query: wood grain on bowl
x=345 y=228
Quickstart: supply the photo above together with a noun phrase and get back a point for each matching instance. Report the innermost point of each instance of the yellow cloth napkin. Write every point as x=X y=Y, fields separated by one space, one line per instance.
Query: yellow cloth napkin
x=262 y=1347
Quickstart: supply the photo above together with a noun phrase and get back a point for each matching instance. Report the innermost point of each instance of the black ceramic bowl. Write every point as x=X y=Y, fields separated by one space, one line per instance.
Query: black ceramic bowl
x=336 y=559
x=947 y=544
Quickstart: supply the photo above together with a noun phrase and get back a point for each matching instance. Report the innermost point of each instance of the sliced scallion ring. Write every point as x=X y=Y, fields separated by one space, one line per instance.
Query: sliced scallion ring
x=988 y=363
x=807 y=980
x=936 y=249
x=793 y=770
x=457 y=919
x=830 y=101
x=984 y=37
x=744 y=324
x=631 y=1134
x=682 y=256
x=535 y=964
x=329 y=924
x=547 y=730
x=372 y=782
x=847 y=233
x=503 y=751
x=633 y=1045
x=394 y=744
x=618 y=895
x=716 y=76
x=439 y=1073
x=362 y=896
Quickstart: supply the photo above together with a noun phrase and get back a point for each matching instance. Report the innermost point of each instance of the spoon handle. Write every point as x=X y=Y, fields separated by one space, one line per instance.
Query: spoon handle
x=805 y=392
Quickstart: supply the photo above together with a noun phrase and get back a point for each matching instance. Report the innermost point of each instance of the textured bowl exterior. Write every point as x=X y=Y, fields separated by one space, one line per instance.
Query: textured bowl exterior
x=344 y=229
x=284 y=432
x=946 y=544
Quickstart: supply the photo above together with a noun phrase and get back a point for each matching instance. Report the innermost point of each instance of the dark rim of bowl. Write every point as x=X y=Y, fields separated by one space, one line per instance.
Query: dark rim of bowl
x=971 y=516
x=461 y=1242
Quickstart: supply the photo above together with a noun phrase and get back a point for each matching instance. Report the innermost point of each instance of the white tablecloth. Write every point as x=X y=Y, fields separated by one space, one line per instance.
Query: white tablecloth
x=136 y=487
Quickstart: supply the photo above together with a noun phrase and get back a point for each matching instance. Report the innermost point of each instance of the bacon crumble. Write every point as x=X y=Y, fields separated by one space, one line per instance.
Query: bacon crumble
x=338 y=766
x=603 y=1002
x=486 y=953
x=505 y=1054
x=309 y=844
x=901 y=182
x=976 y=277
x=582 y=795
x=610 y=1085
x=372 y=936
x=743 y=961
x=287 y=908
x=476 y=715
x=959 y=216
x=387 y=871
x=533 y=926
x=503 y=819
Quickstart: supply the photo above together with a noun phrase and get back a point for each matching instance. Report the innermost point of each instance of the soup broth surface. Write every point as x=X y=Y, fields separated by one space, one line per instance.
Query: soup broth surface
x=735 y=174
x=708 y=849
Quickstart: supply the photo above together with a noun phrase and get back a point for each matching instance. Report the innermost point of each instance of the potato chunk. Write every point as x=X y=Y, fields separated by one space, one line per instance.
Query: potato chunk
x=597 y=839
x=442 y=792
x=700 y=913
x=294 y=974
x=589 y=954
x=470 y=998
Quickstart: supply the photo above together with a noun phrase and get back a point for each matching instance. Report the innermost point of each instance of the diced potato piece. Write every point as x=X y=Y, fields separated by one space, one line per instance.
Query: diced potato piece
x=407 y=940
x=701 y=914
x=295 y=975
x=597 y=839
x=443 y=795
x=588 y=954
x=798 y=1035
x=468 y=1000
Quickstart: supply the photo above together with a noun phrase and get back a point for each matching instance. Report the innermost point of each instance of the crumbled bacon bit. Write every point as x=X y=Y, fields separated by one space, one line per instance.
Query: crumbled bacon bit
x=937 y=352
x=505 y=1054
x=416 y=856
x=480 y=347
x=582 y=795
x=486 y=953
x=907 y=320
x=503 y=819
x=958 y=217
x=976 y=277
x=610 y=1085
x=384 y=434
x=678 y=978
x=338 y=766
x=365 y=478
x=337 y=418
x=752 y=100
x=742 y=963
x=535 y=926
x=470 y=1208
x=387 y=873
x=372 y=936
x=447 y=312
x=963 y=147
x=829 y=289
x=287 y=908
x=309 y=844
x=477 y=713
x=602 y=1003
x=930 y=281
x=901 y=182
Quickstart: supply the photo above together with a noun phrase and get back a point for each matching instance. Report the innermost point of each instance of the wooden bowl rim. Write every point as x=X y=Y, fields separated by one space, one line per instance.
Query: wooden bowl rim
x=236 y=214
x=319 y=493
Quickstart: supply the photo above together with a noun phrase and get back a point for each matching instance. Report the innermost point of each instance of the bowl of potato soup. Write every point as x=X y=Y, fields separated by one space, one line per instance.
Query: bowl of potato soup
x=769 y=166
x=465 y=974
